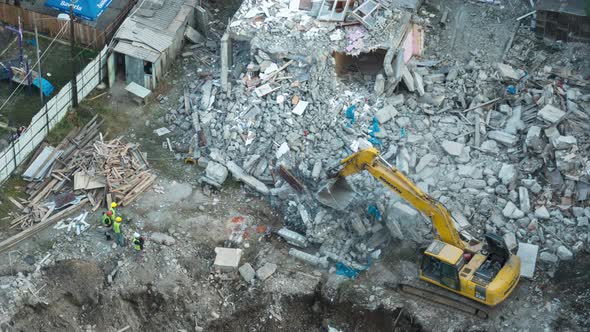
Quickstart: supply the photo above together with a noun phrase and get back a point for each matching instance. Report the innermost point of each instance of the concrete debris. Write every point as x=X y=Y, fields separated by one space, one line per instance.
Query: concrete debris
x=215 y=174
x=227 y=259
x=563 y=142
x=247 y=272
x=293 y=238
x=507 y=173
x=266 y=271
x=453 y=148
x=550 y=114
x=308 y=258
x=385 y=114
x=528 y=259
x=548 y=257
x=564 y=253
x=511 y=211
x=542 y=213
x=503 y=137
x=507 y=72
x=162 y=238
x=238 y=173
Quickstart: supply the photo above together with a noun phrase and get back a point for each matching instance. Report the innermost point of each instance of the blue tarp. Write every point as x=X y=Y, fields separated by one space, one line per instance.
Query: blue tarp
x=87 y=9
x=46 y=86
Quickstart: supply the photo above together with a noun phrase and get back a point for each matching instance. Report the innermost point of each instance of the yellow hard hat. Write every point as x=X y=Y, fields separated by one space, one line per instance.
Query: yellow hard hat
x=113 y=205
x=118 y=219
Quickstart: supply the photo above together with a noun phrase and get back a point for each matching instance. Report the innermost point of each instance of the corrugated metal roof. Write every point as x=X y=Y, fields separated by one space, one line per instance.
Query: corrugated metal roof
x=150 y=30
x=135 y=51
x=574 y=7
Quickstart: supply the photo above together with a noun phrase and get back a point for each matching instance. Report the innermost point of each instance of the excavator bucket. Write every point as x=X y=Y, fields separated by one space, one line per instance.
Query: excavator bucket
x=336 y=193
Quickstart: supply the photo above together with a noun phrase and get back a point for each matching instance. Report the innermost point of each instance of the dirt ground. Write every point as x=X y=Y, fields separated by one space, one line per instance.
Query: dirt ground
x=90 y=285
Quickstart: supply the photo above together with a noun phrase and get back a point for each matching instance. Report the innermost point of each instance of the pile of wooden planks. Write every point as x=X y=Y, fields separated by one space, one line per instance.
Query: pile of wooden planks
x=87 y=169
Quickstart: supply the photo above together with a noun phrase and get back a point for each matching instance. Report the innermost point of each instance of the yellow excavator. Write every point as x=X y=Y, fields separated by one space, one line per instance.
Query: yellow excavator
x=486 y=274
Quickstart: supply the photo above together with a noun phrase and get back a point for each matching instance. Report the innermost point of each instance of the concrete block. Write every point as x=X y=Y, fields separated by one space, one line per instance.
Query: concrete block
x=292 y=237
x=226 y=60
x=503 y=137
x=227 y=259
x=564 y=142
x=216 y=172
x=511 y=211
x=533 y=138
x=266 y=271
x=528 y=259
x=507 y=173
x=418 y=83
x=317 y=169
x=408 y=79
x=247 y=272
x=379 y=87
x=542 y=213
x=564 y=253
x=476 y=184
x=453 y=148
x=548 y=257
x=523 y=197
x=550 y=113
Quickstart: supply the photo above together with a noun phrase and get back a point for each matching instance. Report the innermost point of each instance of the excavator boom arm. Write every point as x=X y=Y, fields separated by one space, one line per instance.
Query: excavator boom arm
x=370 y=160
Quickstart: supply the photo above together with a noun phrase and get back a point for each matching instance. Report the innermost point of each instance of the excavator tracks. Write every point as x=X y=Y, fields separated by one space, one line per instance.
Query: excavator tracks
x=445 y=298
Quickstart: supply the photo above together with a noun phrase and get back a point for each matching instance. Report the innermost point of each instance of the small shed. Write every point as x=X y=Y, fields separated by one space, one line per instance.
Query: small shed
x=148 y=41
x=565 y=20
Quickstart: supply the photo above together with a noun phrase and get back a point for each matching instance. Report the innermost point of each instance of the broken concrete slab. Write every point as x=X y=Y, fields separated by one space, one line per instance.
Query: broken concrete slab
x=453 y=148
x=385 y=114
x=563 y=142
x=550 y=113
x=528 y=259
x=507 y=173
x=533 y=139
x=227 y=259
x=247 y=272
x=266 y=271
x=503 y=137
x=239 y=174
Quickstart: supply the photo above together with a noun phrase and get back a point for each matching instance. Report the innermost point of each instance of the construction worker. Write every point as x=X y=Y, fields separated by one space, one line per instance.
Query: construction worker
x=112 y=209
x=107 y=223
x=118 y=231
x=138 y=245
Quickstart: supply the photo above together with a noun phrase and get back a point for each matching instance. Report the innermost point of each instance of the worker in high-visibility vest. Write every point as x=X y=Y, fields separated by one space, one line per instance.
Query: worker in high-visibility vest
x=113 y=211
x=119 y=231
x=107 y=223
x=138 y=246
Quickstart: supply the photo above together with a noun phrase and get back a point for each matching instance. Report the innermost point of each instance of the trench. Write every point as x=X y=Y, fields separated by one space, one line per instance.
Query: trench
x=78 y=299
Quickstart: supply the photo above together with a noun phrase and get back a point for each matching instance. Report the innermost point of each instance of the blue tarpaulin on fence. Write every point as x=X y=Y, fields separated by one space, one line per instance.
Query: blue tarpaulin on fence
x=46 y=86
x=87 y=9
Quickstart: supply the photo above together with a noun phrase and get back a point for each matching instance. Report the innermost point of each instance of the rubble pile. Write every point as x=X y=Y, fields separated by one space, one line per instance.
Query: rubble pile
x=504 y=147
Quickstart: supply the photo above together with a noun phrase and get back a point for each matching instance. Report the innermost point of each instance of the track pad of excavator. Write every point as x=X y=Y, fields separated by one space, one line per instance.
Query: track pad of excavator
x=336 y=193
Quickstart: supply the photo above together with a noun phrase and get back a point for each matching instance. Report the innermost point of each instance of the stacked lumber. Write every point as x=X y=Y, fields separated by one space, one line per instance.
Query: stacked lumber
x=87 y=169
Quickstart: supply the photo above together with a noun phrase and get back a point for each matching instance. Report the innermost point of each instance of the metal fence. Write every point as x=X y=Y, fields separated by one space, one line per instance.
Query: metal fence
x=50 y=115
